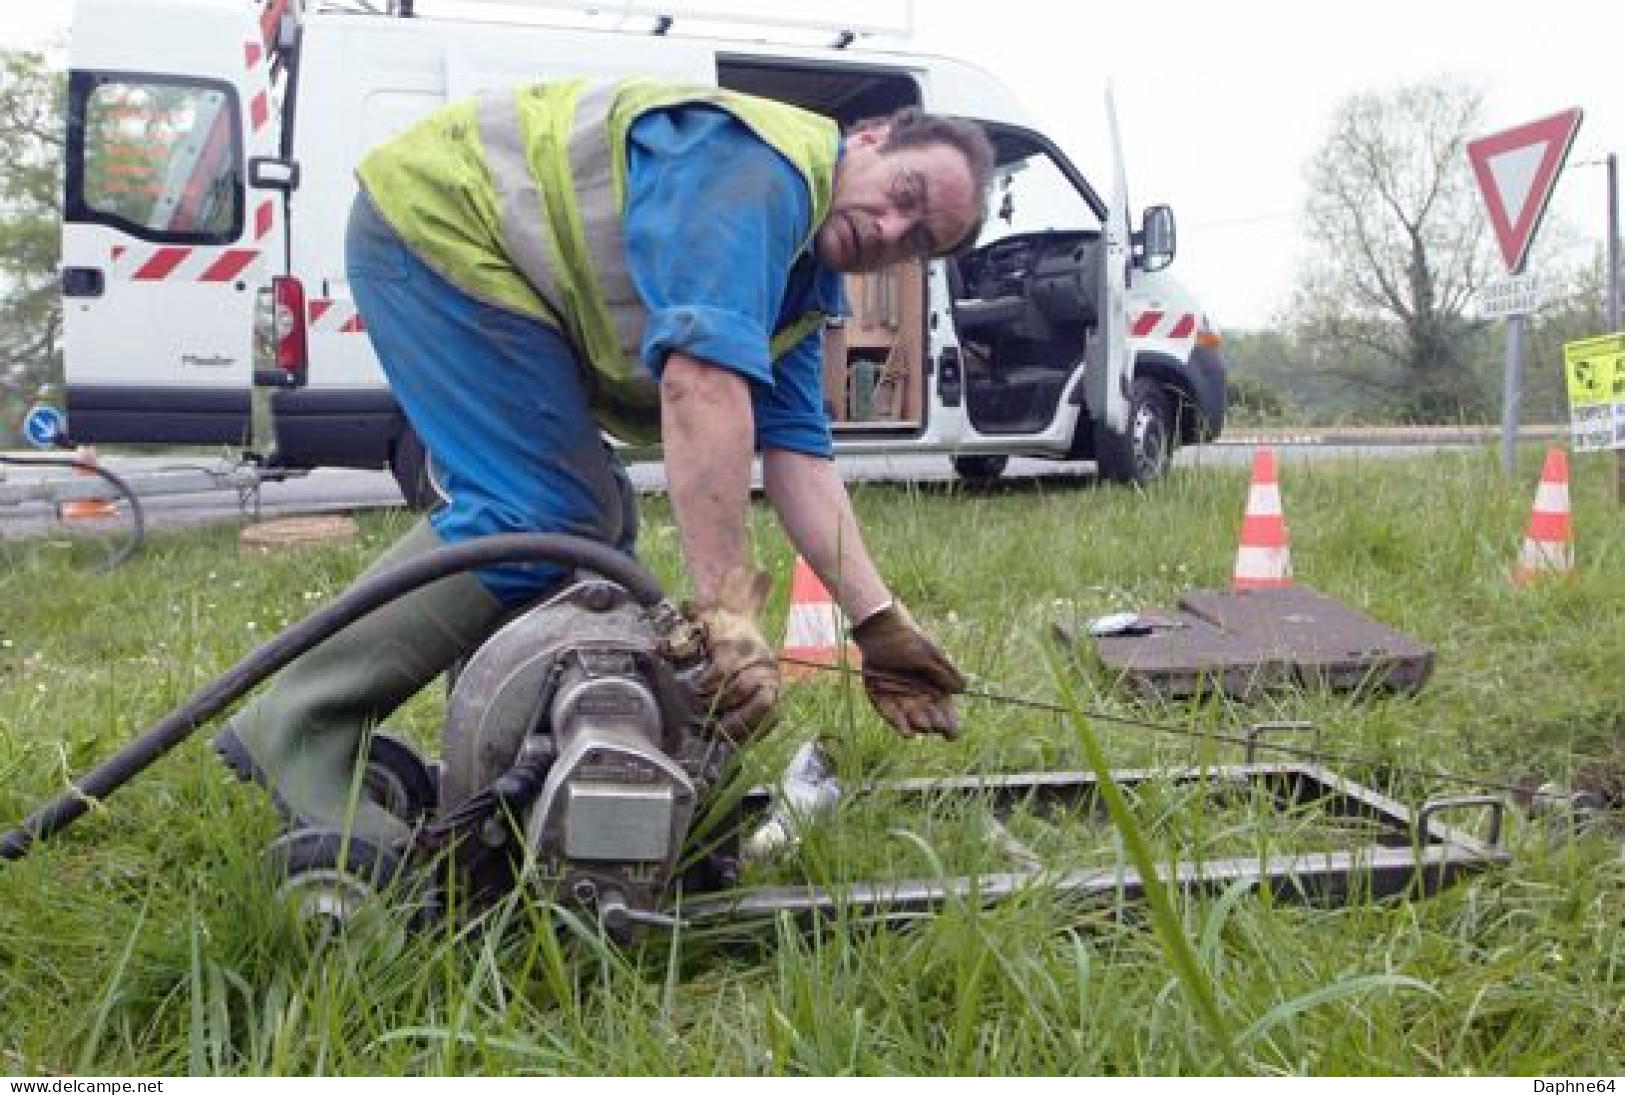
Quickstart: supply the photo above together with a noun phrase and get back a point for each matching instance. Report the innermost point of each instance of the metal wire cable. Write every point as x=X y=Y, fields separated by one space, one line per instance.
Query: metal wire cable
x=1312 y=753
x=138 y=522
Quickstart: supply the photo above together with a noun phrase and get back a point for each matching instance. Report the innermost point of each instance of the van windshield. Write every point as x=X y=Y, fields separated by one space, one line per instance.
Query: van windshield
x=155 y=157
x=1031 y=193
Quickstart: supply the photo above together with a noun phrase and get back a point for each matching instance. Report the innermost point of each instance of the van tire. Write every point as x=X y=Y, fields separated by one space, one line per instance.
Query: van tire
x=1141 y=456
x=981 y=468
x=409 y=462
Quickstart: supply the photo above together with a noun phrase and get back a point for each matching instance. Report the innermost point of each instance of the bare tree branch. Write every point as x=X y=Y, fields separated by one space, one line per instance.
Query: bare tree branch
x=1399 y=246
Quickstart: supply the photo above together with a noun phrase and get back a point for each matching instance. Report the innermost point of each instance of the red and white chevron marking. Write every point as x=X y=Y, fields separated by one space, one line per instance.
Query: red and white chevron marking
x=182 y=263
x=1157 y=324
x=334 y=317
x=150 y=262
x=264 y=220
x=259 y=105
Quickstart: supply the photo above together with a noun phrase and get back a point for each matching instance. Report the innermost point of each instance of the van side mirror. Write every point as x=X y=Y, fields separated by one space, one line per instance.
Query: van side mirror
x=272 y=173
x=1155 y=240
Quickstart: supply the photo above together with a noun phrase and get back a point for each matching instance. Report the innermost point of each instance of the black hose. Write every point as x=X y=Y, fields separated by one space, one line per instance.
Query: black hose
x=356 y=602
x=138 y=521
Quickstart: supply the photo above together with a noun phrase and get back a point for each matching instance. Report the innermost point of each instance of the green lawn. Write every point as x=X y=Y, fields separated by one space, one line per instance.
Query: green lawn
x=146 y=940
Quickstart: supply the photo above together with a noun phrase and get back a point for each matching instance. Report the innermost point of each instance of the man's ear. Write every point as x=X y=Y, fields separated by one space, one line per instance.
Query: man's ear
x=869 y=135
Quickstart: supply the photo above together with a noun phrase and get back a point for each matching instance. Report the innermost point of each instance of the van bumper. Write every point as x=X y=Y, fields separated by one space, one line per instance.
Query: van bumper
x=137 y=414
x=346 y=428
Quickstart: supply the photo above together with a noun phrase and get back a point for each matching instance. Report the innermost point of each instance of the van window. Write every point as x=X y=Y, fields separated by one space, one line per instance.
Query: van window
x=1033 y=193
x=158 y=158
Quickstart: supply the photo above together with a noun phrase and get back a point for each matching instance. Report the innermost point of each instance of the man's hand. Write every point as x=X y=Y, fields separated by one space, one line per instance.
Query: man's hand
x=909 y=678
x=741 y=684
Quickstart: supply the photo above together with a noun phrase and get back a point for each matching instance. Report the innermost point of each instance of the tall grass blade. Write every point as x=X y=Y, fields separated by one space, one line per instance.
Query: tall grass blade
x=1164 y=917
x=109 y=997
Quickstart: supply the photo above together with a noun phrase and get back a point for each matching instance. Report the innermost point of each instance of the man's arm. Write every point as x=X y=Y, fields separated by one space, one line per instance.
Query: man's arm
x=816 y=513
x=910 y=679
x=707 y=428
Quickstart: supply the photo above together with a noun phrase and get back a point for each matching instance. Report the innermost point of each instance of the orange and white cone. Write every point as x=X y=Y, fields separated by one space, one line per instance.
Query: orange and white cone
x=1264 y=559
x=815 y=630
x=1548 y=546
x=87 y=509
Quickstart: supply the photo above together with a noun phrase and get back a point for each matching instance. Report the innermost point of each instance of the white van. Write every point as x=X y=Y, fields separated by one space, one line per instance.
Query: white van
x=210 y=150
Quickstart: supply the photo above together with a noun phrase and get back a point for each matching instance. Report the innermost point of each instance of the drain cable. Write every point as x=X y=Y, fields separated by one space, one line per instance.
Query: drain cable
x=1311 y=753
x=369 y=594
x=138 y=519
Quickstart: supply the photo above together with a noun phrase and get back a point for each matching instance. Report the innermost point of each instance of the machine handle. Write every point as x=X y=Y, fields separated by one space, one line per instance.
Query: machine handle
x=1494 y=804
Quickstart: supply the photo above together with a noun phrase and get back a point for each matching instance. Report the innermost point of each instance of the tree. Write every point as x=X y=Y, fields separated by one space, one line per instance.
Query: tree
x=1277 y=374
x=32 y=94
x=1399 y=247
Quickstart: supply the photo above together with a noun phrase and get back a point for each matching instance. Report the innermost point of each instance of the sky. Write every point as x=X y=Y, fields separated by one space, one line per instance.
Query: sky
x=1223 y=104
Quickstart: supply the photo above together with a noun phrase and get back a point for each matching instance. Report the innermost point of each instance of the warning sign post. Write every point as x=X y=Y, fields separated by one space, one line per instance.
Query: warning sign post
x=1595 y=370
x=1516 y=171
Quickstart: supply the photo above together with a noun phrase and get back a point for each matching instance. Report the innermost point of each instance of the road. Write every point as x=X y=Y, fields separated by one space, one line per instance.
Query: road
x=176 y=493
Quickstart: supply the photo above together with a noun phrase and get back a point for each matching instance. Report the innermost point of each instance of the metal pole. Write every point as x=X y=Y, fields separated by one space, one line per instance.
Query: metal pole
x=1512 y=395
x=1612 y=162
x=1613 y=242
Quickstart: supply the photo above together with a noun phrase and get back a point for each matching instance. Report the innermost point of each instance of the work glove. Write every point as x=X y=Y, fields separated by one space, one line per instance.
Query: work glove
x=909 y=678
x=739 y=686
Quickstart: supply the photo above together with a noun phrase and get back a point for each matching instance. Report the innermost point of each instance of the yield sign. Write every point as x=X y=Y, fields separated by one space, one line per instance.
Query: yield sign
x=1516 y=171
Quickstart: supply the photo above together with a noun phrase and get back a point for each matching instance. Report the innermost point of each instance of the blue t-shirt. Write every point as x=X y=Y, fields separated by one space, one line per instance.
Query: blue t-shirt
x=718 y=244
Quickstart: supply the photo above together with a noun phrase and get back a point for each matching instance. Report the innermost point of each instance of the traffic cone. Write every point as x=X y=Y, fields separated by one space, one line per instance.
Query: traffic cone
x=87 y=509
x=1264 y=559
x=1548 y=546
x=814 y=630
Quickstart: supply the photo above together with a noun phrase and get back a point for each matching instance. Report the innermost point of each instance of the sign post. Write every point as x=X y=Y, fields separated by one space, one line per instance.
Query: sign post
x=1516 y=171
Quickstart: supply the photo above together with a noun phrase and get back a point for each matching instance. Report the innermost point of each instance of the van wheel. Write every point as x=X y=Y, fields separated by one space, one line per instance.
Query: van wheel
x=409 y=462
x=1140 y=456
x=980 y=469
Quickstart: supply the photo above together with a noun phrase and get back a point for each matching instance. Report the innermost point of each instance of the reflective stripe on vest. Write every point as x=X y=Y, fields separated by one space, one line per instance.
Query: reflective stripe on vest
x=584 y=212
x=566 y=233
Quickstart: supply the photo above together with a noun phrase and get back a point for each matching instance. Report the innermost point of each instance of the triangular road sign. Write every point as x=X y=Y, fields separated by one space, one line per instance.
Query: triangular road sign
x=1516 y=170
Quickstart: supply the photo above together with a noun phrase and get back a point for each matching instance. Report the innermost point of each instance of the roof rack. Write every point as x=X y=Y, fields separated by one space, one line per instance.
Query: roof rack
x=844 y=20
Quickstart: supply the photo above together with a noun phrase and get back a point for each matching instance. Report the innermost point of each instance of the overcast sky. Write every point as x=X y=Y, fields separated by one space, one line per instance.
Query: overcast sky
x=1223 y=103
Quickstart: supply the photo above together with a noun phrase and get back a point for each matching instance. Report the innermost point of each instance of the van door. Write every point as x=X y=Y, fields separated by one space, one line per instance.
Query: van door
x=1111 y=370
x=1026 y=307
x=161 y=246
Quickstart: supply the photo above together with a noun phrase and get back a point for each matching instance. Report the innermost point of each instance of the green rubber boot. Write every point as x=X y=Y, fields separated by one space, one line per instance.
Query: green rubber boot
x=302 y=738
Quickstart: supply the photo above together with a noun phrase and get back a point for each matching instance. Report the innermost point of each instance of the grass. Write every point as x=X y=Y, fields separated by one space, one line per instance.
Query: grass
x=142 y=941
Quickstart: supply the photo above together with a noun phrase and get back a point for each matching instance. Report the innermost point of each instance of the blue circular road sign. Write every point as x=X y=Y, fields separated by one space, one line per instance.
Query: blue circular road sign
x=43 y=425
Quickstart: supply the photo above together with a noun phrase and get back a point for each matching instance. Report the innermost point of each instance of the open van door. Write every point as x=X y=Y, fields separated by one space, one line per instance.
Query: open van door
x=163 y=244
x=1110 y=369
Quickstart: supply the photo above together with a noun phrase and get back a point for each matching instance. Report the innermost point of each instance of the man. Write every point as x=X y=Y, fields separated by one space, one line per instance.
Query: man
x=537 y=266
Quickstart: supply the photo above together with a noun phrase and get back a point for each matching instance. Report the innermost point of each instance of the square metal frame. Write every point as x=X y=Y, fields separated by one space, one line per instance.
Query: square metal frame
x=1414 y=853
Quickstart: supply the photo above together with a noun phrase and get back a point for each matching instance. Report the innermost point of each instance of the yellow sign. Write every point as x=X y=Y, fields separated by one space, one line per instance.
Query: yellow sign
x=1596 y=376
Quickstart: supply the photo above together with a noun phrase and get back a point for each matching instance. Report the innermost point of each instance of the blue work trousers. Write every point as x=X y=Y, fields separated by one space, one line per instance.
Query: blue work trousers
x=500 y=402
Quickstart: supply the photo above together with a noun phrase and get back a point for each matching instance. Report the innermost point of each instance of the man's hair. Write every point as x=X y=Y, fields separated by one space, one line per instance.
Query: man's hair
x=912 y=127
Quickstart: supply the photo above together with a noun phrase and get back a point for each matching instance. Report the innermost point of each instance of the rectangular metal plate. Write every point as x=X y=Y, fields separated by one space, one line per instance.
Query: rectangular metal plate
x=617 y=822
x=1187 y=656
x=1244 y=642
x=1325 y=642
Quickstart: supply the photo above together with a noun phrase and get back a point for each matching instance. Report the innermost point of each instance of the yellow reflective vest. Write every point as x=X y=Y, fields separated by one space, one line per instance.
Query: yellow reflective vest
x=518 y=197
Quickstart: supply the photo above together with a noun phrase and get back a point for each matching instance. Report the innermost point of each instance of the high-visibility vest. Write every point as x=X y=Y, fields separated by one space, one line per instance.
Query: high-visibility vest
x=519 y=196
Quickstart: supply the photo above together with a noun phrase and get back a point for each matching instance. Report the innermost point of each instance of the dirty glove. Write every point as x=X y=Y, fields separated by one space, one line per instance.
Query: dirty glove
x=740 y=684
x=908 y=676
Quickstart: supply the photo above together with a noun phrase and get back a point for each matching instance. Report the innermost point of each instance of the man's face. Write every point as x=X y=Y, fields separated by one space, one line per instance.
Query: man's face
x=891 y=206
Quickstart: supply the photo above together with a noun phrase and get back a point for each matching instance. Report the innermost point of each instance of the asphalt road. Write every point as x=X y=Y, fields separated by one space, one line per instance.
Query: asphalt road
x=176 y=493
